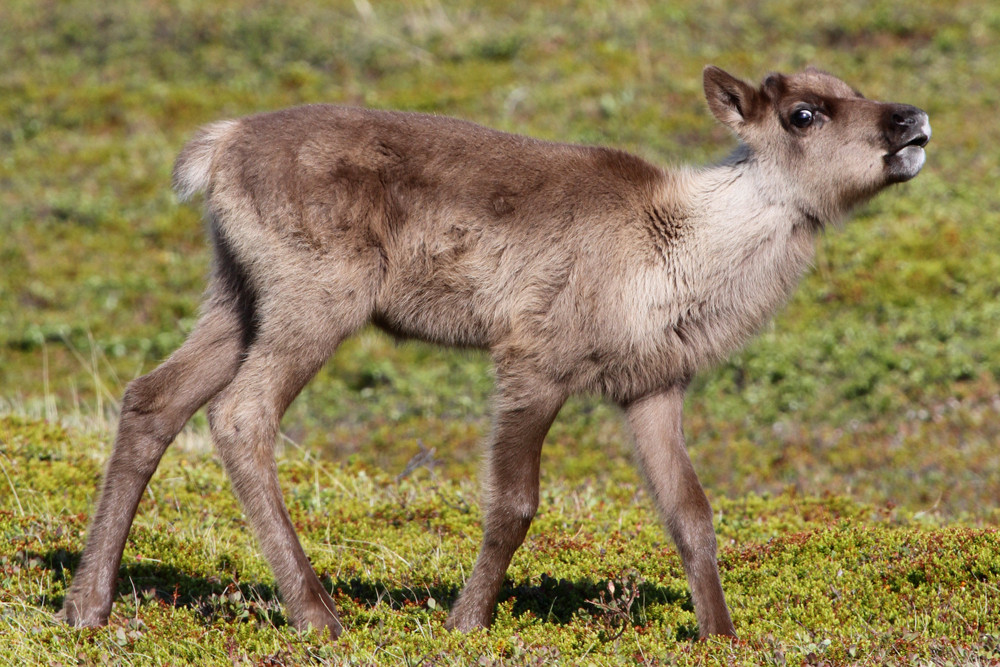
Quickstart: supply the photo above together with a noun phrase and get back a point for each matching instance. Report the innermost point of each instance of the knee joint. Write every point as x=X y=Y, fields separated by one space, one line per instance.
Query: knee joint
x=231 y=419
x=142 y=396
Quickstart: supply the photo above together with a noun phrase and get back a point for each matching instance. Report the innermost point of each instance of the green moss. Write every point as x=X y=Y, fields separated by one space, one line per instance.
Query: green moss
x=807 y=578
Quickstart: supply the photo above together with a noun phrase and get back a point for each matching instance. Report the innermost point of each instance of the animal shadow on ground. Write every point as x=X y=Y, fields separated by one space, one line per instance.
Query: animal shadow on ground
x=214 y=597
x=614 y=604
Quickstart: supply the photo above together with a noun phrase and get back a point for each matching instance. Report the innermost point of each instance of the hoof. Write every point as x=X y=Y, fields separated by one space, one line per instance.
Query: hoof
x=321 y=621
x=80 y=616
x=465 y=623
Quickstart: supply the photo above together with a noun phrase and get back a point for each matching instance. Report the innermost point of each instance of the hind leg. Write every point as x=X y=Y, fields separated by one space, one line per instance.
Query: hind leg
x=154 y=409
x=291 y=346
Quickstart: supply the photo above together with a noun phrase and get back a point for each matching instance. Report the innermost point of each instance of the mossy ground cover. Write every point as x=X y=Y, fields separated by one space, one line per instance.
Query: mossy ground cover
x=879 y=382
x=810 y=581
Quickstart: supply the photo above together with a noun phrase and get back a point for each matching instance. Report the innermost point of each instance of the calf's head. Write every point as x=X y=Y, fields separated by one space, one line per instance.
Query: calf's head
x=829 y=146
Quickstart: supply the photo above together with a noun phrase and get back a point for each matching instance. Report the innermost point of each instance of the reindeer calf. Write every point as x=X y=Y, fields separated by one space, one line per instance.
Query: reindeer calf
x=580 y=269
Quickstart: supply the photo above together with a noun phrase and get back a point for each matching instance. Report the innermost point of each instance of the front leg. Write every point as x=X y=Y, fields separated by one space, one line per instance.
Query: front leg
x=683 y=506
x=524 y=412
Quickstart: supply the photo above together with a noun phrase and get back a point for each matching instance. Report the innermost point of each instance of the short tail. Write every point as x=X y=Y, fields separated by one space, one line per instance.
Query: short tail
x=193 y=169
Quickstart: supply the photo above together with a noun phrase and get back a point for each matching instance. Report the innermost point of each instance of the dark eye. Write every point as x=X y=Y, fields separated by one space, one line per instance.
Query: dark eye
x=802 y=118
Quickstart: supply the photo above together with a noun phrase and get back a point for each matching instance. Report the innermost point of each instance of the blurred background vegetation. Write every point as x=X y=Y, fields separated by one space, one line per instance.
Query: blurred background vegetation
x=880 y=380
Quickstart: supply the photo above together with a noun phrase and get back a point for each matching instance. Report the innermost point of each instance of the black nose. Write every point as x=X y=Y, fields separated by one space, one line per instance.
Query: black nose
x=906 y=125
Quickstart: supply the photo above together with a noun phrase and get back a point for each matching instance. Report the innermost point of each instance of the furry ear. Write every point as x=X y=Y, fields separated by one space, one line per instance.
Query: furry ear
x=733 y=101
